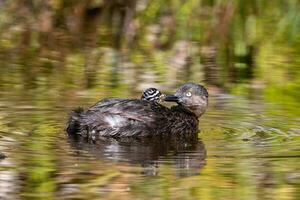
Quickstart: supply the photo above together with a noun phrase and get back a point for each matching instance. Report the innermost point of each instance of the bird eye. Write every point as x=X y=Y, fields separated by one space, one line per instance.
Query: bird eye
x=188 y=94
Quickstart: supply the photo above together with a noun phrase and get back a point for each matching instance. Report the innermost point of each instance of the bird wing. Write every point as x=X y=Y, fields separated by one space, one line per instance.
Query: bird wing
x=123 y=117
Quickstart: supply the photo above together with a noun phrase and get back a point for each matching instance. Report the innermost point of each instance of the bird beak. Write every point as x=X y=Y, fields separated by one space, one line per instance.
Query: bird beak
x=162 y=97
x=171 y=98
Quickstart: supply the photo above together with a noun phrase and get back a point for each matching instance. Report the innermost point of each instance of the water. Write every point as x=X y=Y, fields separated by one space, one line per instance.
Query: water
x=242 y=151
x=57 y=55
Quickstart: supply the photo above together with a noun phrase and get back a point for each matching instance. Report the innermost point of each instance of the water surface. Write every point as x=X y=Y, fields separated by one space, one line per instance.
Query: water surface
x=242 y=150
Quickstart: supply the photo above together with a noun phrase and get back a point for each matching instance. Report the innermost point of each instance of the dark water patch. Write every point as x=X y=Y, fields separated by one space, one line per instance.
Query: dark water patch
x=148 y=154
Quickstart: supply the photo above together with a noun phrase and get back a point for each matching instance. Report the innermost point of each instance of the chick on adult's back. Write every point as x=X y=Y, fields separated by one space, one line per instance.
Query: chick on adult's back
x=141 y=118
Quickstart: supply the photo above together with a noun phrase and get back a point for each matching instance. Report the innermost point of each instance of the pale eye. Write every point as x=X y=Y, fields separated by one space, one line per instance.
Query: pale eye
x=188 y=94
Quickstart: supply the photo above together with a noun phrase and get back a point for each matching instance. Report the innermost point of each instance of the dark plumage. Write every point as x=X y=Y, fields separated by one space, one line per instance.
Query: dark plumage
x=141 y=118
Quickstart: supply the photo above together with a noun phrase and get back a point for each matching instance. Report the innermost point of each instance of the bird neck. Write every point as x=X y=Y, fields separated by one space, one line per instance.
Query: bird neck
x=184 y=111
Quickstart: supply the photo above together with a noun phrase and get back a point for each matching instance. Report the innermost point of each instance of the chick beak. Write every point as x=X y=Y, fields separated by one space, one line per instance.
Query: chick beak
x=162 y=97
x=171 y=98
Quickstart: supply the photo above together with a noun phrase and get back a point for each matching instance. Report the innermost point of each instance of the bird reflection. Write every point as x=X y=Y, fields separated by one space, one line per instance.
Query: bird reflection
x=186 y=157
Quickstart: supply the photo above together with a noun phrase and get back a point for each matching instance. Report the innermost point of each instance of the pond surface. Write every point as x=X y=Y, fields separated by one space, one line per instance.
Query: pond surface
x=247 y=147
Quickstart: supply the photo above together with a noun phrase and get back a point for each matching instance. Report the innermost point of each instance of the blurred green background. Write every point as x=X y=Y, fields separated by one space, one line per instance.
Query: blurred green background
x=59 y=54
x=119 y=44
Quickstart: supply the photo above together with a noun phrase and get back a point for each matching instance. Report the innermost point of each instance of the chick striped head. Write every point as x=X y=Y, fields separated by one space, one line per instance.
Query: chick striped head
x=152 y=94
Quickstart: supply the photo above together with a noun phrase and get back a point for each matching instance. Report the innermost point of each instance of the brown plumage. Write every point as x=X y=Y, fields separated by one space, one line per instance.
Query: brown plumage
x=142 y=118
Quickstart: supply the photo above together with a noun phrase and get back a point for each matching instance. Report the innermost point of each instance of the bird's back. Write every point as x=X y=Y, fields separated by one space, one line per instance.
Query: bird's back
x=119 y=117
x=131 y=118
